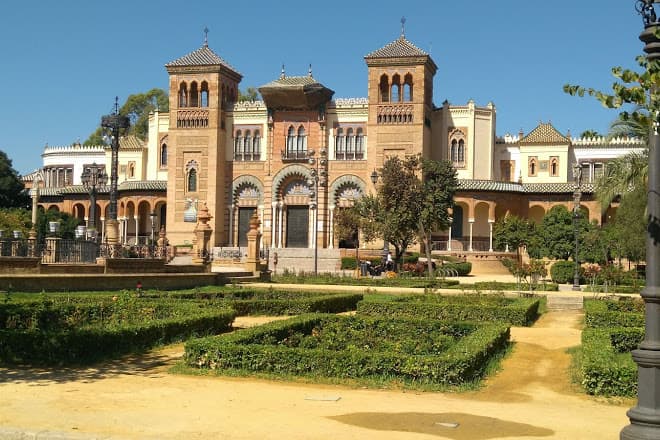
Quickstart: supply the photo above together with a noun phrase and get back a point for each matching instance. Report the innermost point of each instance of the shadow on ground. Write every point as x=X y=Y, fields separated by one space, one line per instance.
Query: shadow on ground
x=457 y=426
x=150 y=364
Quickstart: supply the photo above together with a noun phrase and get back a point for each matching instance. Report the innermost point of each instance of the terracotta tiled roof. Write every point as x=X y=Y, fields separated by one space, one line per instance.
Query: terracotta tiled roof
x=131 y=143
x=533 y=188
x=204 y=56
x=292 y=81
x=545 y=134
x=132 y=185
x=400 y=47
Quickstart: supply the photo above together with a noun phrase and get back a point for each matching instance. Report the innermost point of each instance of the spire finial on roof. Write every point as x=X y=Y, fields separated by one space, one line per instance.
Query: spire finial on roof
x=116 y=105
x=206 y=36
x=282 y=73
x=403 y=27
x=309 y=72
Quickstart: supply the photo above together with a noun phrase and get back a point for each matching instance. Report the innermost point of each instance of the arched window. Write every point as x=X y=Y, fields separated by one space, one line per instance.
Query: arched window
x=407 y=88
x=205 y=94
x=554 y=167
x=247 y=144
x=302 y=139
x=256 y=145
x=183 y=95
x=359 y=144
x=533 y=166
x=457 y=148
x=384 y=89
x=194 y=95
x=453 y=155
x=192 y=180
x=163 y=155
x=131 y=170
x=291 y=140
x=461 y=150
x=350 y=143
x=339 y=144
x=396 y=88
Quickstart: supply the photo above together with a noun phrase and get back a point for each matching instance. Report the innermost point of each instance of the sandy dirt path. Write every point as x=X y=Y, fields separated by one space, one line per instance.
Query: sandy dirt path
x=530 y=398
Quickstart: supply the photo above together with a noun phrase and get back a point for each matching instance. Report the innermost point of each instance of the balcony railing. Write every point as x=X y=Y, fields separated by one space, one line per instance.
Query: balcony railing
x=294 y=155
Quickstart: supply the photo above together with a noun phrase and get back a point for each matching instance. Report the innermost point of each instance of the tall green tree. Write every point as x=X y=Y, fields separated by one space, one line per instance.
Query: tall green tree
x=249 y=94
x=558 y=232
x=137 y=107
x=439 y=185
x=12 y=189
x=512 y=232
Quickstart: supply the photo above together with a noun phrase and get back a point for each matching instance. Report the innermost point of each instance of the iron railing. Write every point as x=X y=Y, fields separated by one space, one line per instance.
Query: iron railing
x=236 y=253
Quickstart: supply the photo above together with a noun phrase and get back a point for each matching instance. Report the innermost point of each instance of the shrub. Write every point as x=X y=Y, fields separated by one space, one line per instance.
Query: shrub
x=482 y=308
x=607 y=313
x=355 y=347
x=563 y=272
x=350 y=263
x=463 y=268
x=606 y=371
x=79 y=332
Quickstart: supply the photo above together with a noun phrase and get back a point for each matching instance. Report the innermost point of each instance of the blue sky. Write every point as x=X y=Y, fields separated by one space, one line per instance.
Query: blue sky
x=64 y=62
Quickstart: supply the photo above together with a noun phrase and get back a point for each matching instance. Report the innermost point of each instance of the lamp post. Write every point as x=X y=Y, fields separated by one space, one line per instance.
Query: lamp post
x=319 y=178
x=386 y=246
x=113 y=123
x=92 y=177
x=645 y=417
x=577 y=195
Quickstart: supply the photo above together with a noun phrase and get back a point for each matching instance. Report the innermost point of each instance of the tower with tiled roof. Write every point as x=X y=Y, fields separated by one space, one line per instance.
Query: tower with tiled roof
x=545 y=155
x=203 y=86
x=400 y=100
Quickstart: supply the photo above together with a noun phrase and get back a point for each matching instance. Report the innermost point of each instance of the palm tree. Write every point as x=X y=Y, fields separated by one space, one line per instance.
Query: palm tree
x=629 y=172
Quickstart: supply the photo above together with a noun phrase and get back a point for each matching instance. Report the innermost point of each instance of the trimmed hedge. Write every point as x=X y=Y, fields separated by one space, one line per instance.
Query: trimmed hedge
x=463 y=268
x=276 y=302
x=606 y=371
x=484 y=308
x=563 y=272
x=608 y=313
x=498 y=285
x=280 y=348
x=81 y=332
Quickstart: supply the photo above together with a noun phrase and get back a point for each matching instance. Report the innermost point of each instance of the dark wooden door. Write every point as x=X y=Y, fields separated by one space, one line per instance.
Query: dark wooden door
x=297 y=226
x=244 y=215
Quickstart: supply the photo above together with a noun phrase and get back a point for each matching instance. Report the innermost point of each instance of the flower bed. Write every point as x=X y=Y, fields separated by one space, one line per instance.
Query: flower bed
x=422 y=351
x=515 y=311
x=84 y=330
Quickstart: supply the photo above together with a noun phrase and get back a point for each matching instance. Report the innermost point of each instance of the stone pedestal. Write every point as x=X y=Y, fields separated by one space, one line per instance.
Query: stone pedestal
x=253 y=262
x=52 y=249
x=202 y=236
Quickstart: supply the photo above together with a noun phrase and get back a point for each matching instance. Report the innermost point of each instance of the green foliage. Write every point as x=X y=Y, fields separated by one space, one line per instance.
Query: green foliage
x=68 y=223
x=12 y=189
x=250 y=94
x=628 y=230
x=563 y=272
x=482 y=308
x=15 y=219
x=137 y=107
x=63 y=331
x=605 y=370
x=462 y=268
x=605 y=313
x=350 y=263
x=288 y=277
x=514 y=232
x=355 y=347
x=498 y=286
x=558 y=232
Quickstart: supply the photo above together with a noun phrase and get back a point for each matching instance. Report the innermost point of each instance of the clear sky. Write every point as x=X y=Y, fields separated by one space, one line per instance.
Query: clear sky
x=63 y=62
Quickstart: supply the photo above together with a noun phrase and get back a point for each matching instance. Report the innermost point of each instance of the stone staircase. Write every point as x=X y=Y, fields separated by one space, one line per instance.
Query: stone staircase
x=565 y=302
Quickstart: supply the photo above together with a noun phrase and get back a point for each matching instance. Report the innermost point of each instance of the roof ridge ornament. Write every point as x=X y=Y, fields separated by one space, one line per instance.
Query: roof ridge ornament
x=206 y=36
x=282 y=73
x=403 y=28
x=309 y=72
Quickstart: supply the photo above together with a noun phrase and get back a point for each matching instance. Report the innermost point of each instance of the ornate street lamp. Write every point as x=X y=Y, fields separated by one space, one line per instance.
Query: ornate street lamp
x=93 y=177
x=319 y=177
x=577 y=195
x=113 y=123
x=645 y=417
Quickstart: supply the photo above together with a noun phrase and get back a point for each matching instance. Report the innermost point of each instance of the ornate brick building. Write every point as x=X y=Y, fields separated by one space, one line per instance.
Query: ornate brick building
x=242 y=157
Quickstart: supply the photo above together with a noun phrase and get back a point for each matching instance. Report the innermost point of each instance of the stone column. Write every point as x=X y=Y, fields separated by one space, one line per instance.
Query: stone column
x=280 y=226
x=490 y=235
x=253 y=263
x=449 y=239
x=331 y=228
x=471 y=223
x=137 y=229
x=230 y=208
x=273 y=222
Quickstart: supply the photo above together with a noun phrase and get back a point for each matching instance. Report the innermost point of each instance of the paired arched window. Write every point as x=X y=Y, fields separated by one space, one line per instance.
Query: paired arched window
x=296 y=143
x=457 y=148
x=163 y=155
x=554 y=166
x=247 y=145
